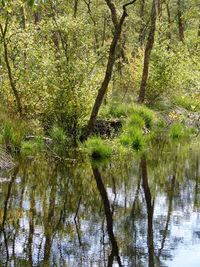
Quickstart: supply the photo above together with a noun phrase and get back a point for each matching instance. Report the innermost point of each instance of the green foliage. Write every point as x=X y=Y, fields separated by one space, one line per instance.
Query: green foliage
x=59 y=140
x=132 y=137
x=147 y=114
x=27 y=148
x=178 y=131
x=187 y=102
x=98 y=148
x=13 y=133
x=118 y=110
x=136 y=120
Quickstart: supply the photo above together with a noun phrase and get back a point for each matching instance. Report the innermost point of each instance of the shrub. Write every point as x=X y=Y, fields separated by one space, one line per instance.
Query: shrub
x=98 y=148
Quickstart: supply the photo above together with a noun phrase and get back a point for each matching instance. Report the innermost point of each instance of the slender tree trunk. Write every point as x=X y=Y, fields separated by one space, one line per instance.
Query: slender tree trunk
x=75 y=8
x=111 y=61
x=180 y=22
x=159 y=4
x=23 y=18
x=147 y=54
x=159 y=10
x=168 y=18
x=142 y=30
x=10 y=76
x=96 y=46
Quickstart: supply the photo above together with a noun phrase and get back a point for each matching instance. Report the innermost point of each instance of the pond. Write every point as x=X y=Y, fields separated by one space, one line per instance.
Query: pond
x=136 y=210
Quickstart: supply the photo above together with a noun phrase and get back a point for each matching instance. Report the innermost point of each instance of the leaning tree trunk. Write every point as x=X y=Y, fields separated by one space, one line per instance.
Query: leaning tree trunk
x=147 y=54
x=111 y=60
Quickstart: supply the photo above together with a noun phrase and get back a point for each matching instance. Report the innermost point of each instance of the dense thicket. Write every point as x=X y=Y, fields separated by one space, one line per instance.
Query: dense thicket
x=54 y=56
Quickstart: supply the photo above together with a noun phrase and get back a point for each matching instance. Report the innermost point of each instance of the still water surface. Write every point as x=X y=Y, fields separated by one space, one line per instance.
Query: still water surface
x=139 y=210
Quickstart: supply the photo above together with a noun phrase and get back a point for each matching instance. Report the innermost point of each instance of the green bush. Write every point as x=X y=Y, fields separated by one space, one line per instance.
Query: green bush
x=98 y=148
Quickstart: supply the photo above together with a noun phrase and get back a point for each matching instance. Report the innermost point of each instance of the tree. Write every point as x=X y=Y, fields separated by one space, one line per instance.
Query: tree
x=111 y=60
x=148 y=49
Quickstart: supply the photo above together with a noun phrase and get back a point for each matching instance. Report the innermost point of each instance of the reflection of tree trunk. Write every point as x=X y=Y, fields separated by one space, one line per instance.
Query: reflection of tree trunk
x=7 y=198
x=109 y=219
x=76 y=223
x=196 y=202
x=148 y=49
x=150 y=209
x=171 y=195
x=49 y=226
x=31 y=225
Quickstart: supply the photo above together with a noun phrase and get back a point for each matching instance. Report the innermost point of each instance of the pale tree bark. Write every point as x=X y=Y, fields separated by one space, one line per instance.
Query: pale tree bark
x=148 y=49
x=111 y=60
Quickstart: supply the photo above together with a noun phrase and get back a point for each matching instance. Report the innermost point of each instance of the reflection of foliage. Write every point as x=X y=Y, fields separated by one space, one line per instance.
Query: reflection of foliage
x=45 y=197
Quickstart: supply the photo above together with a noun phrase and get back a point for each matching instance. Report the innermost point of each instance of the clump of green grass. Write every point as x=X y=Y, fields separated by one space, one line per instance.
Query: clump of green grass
x=58 y=136
x=178 y=131
x=98 y=148
x=136 y=120
x=132 y=138
x=118 y=110
x=114 y=110
x=13 y=133
x=147 y=114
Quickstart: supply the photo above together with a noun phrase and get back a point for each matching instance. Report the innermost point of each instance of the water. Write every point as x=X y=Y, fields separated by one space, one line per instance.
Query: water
x=136 y=210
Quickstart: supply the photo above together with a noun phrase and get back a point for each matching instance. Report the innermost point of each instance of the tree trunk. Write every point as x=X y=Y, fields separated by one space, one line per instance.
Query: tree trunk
x=168 y=19
x=180 y=22
x=111 y=61
x=75 y=8
x=10 y=76
x=142 y=30
x=147 y=54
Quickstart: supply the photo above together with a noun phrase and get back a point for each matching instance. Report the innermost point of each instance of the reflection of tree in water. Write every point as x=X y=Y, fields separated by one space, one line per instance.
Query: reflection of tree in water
x=57 y=215
x=109 y=218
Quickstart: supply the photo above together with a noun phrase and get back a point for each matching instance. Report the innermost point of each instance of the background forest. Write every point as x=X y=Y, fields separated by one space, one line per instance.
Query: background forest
x=58 y=59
